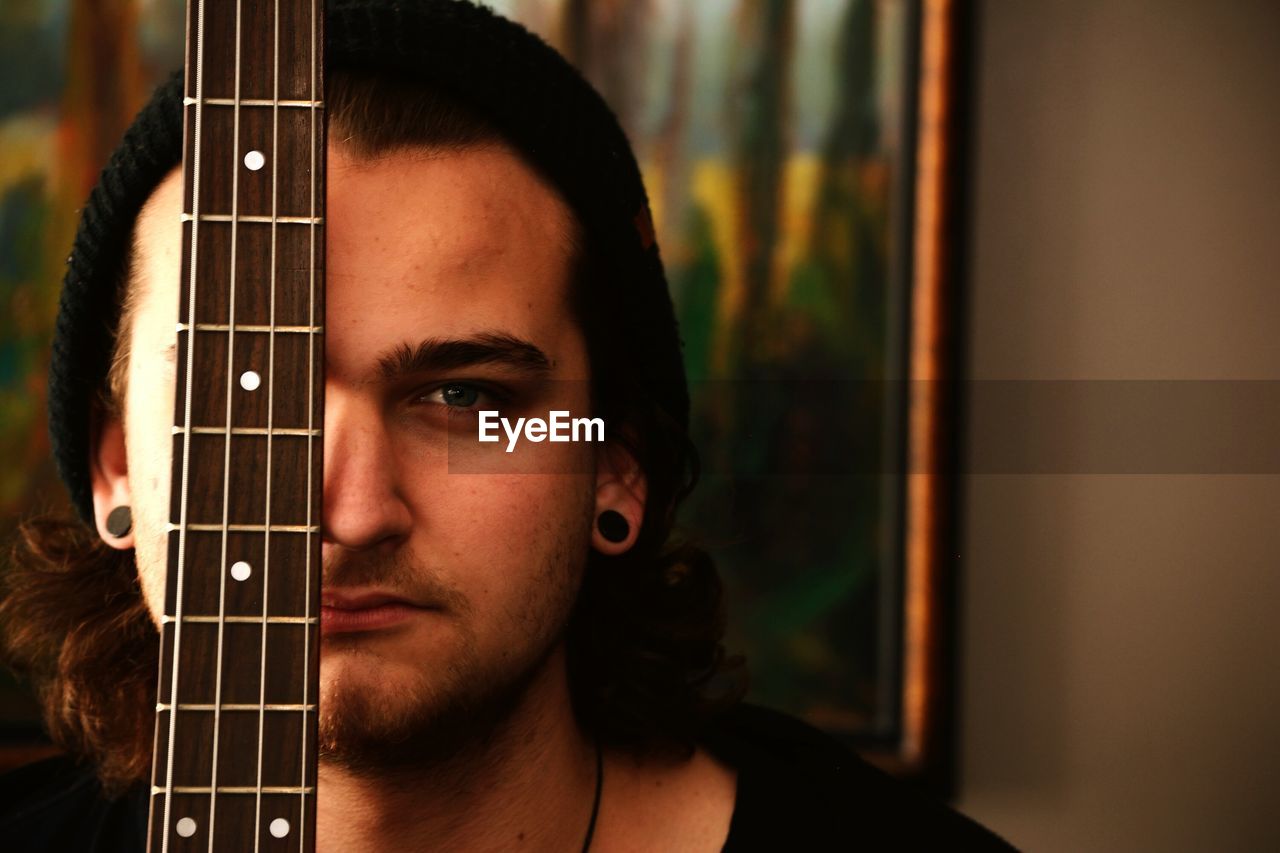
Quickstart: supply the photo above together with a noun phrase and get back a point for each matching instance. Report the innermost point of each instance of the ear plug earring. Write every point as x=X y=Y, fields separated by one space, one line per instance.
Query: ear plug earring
x=613 y=525
x=120 y=522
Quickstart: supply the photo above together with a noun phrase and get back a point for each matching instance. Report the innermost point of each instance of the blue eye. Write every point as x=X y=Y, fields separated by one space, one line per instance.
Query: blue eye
x=458 y=395
x=461 y=398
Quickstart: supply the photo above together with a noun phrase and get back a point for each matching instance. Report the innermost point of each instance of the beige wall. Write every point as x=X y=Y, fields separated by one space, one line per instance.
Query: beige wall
x=1120 y=678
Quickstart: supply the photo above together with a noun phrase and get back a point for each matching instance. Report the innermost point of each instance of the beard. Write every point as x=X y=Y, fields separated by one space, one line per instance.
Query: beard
x=393 y=706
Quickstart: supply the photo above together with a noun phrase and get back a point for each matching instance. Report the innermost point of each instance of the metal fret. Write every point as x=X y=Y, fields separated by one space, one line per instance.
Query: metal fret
x=231 y=789
x=251 y=327
x=228 y=706
x=263 y=220
x=206 y=430
x=245 y=528
x=253 y=102
x=250 y=620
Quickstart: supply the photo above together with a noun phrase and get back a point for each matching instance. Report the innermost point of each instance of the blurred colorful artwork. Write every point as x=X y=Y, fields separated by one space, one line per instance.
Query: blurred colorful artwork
x=72 y=74
x=775 y=140
x=773 y=135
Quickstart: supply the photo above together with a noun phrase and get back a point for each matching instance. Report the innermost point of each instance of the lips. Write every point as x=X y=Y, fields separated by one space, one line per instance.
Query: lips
x=359 y=599
x=348 y=611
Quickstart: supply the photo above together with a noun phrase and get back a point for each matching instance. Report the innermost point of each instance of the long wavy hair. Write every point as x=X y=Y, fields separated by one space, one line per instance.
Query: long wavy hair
x=647 y=666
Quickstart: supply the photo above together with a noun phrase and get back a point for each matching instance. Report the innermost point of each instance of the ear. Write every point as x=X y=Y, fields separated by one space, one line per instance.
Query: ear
x=621 y=487
x=109 y=473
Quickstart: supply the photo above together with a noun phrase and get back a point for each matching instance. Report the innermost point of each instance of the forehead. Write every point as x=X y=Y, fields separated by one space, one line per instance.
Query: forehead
x=461 y=211
x=447 y=244
x=420 y=243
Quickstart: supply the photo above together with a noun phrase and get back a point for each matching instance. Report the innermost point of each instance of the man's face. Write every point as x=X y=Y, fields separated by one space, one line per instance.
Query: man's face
x=423 y=248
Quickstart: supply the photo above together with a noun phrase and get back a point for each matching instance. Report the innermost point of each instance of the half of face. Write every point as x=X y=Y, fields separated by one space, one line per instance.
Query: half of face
x=448 y=276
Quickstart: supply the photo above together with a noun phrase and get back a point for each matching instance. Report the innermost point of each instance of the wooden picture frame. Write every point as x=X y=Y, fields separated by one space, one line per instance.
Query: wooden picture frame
x=924 y=749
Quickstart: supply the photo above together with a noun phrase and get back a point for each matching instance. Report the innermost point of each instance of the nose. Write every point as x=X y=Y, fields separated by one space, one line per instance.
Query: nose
x=363 y=504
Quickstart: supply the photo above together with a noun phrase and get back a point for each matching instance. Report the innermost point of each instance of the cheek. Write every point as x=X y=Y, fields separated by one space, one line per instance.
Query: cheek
x=498 y=535
x=149 y=445
x=151 y=558
x=149 y=450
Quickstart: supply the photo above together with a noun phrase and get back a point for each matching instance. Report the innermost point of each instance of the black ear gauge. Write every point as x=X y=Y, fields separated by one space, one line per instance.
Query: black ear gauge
x=120 y=522
x=613 y=525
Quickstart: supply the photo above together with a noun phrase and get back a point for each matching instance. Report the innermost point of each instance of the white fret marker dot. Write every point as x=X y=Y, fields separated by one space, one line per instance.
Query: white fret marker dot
x=250 y=381
x=186 y=827
x=241 y=571
x=254 y=160
x=279 y=827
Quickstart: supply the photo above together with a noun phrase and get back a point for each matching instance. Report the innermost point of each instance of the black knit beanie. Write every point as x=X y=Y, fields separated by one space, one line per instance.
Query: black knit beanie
x=536 y=99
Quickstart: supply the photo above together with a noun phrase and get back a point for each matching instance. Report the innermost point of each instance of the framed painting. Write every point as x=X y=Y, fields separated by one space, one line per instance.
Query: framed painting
x=801 y=160
x=801 y=157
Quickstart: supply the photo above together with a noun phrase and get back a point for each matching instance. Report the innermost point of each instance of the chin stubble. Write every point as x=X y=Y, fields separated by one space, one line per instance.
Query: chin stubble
x=455 y=712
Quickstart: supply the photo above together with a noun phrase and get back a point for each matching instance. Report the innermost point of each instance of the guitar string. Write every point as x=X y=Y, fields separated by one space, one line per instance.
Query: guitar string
x=271 y=378
x=226 y=453
x=316 y=23
x=186 y=433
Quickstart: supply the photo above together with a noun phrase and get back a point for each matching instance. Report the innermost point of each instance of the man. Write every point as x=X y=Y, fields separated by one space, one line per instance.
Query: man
x=512 y=659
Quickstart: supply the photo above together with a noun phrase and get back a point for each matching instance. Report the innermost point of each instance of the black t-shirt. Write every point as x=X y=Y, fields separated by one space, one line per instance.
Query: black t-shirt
x=798 y=790
x=56 y=805
x=801 y=790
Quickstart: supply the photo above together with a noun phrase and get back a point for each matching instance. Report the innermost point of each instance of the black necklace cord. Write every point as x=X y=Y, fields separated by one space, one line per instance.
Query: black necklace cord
x=595 y=806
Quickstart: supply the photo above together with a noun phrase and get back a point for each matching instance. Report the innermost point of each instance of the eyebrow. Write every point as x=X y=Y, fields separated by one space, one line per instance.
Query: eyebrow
x=451 y=354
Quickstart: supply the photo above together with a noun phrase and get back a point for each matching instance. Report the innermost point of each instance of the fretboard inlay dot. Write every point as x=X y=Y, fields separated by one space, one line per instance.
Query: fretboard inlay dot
x=241 y=570
x=249 y=380
x=254 y=160
x=186 y=827
x=279 y=827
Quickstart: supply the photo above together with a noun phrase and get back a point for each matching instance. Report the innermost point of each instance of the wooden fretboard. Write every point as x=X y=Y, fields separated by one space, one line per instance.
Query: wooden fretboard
x=235 y=758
